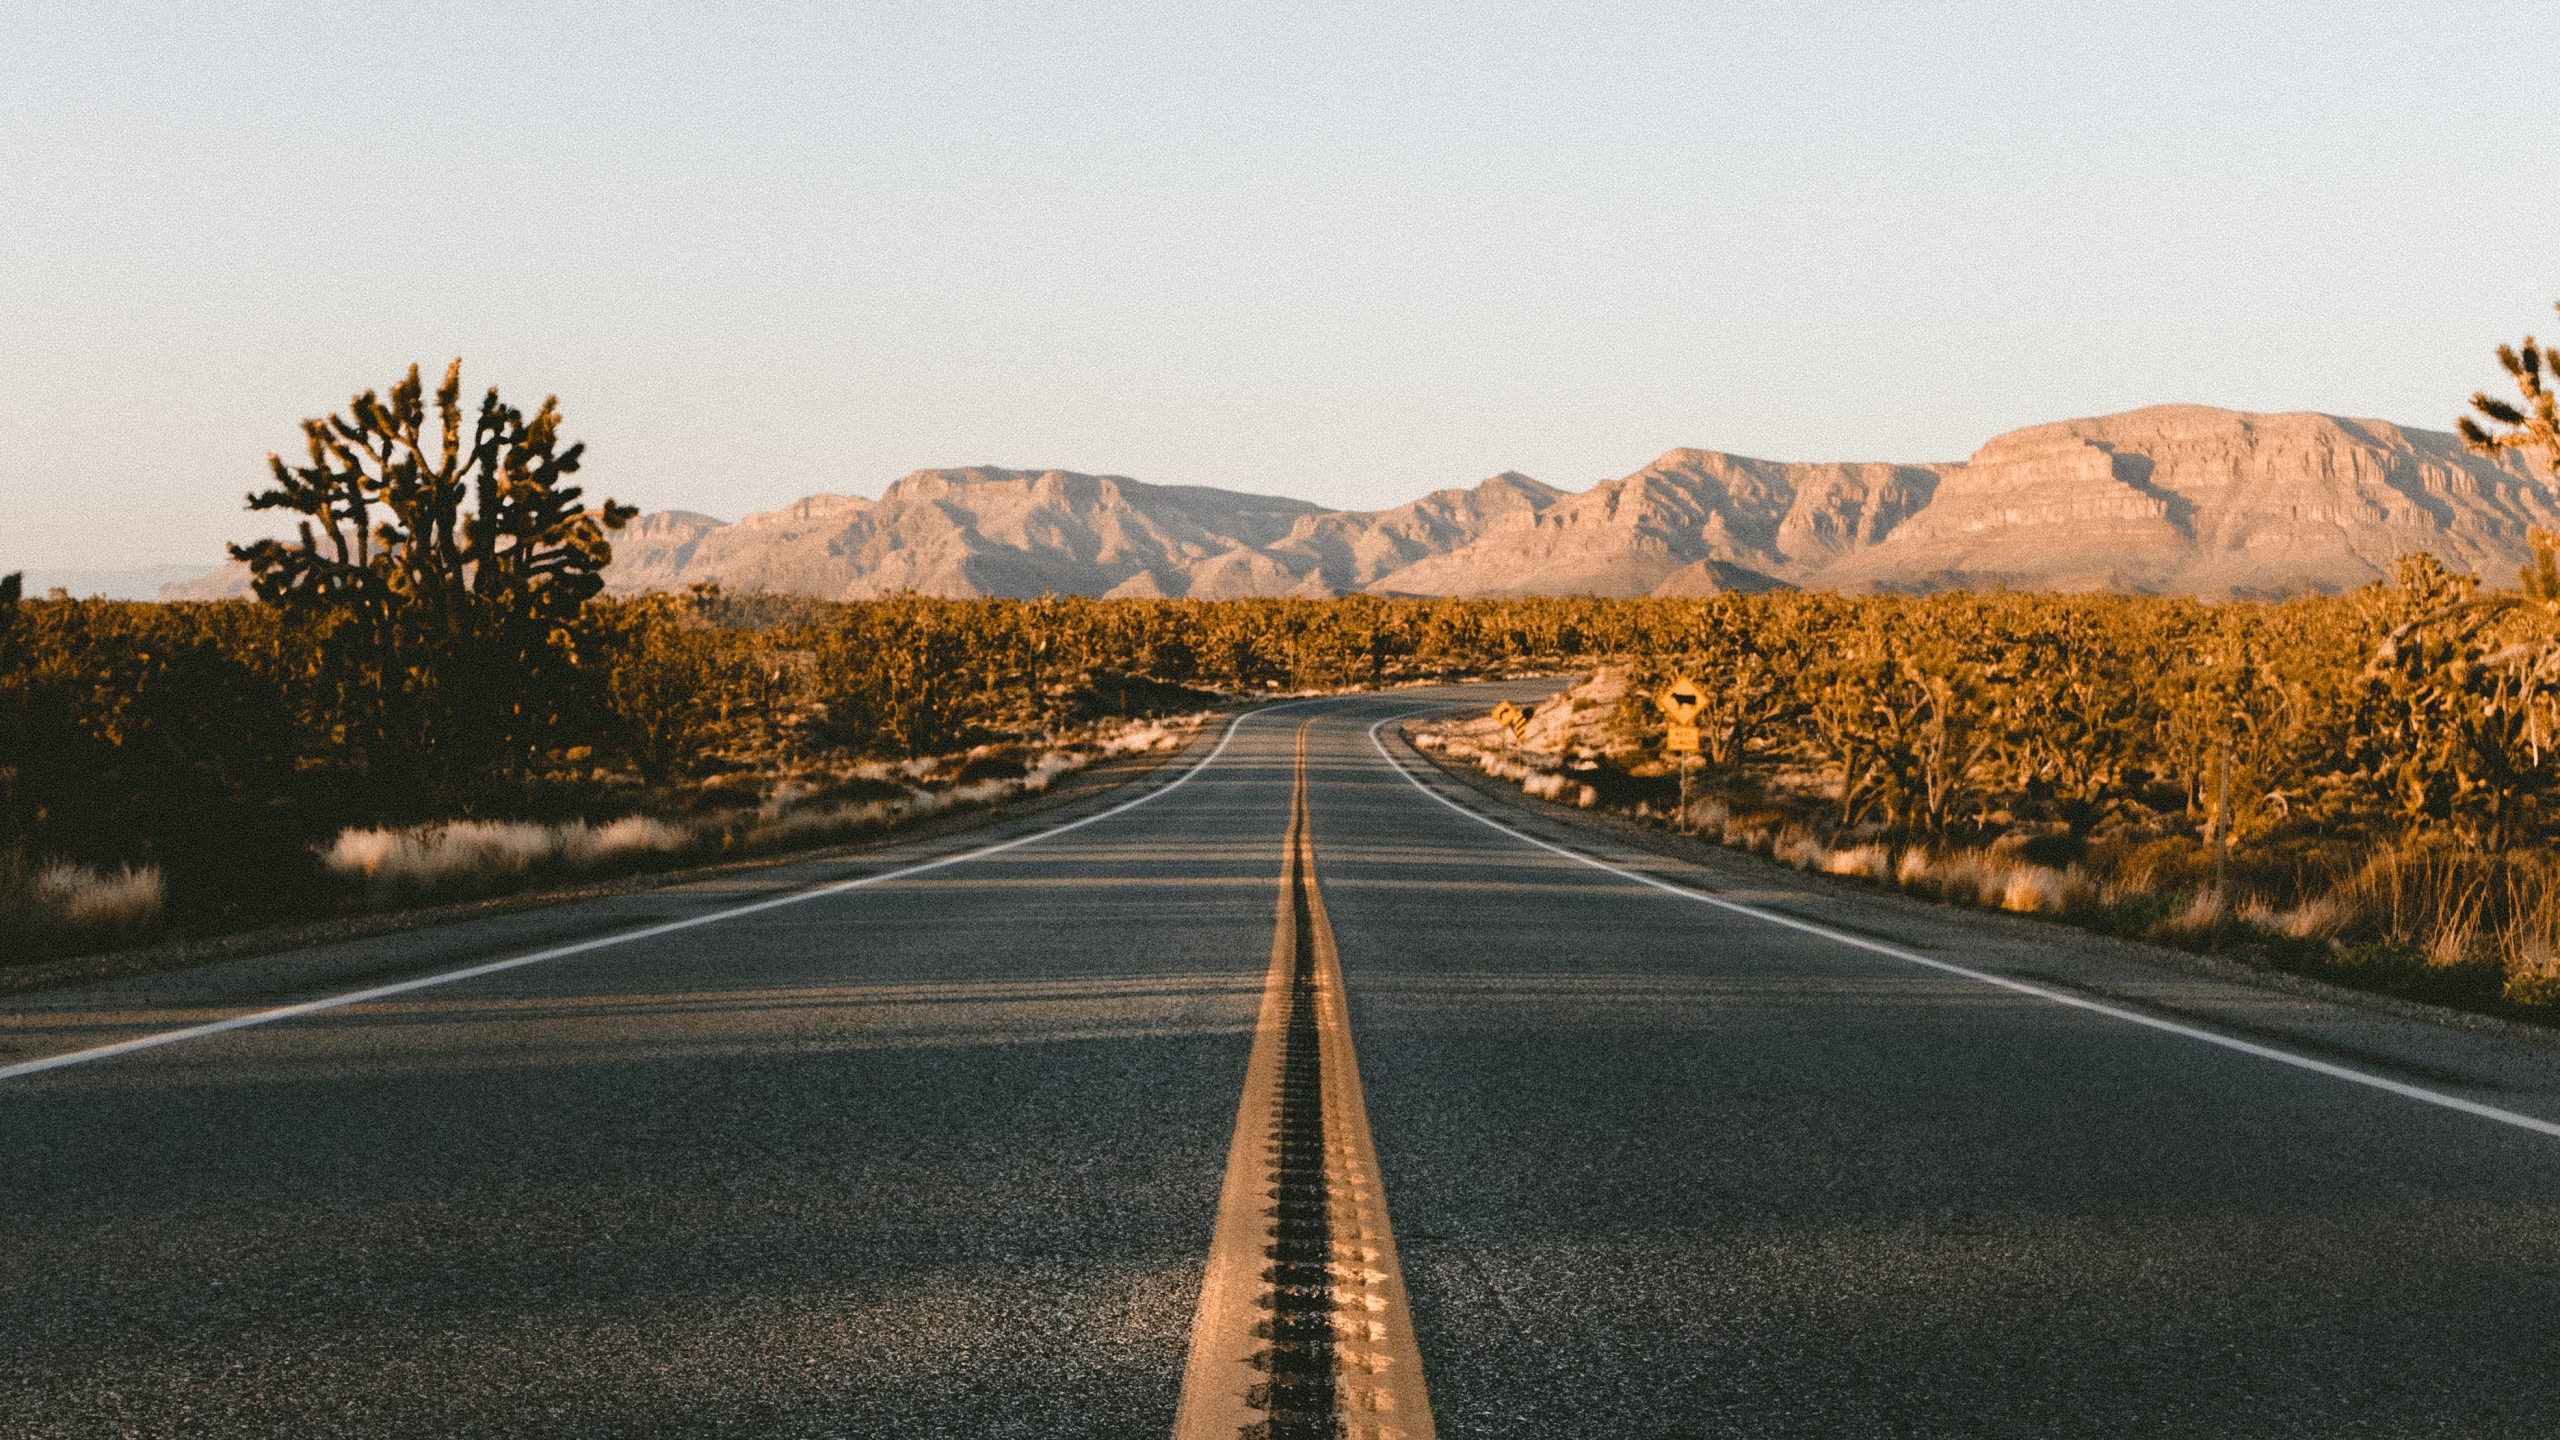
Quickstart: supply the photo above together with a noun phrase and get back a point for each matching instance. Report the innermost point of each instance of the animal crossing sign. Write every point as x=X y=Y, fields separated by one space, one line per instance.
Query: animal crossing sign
x=1682 y=702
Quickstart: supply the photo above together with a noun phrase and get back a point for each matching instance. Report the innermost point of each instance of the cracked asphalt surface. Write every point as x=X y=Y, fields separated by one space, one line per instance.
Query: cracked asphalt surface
x=941 y=1157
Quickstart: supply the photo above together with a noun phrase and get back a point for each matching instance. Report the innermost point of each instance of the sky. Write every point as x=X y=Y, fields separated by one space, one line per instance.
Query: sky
x=1346 y=253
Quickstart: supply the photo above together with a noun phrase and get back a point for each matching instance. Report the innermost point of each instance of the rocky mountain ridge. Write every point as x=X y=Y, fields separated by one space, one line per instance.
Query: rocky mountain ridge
x=2174 y=499
x=984 y=531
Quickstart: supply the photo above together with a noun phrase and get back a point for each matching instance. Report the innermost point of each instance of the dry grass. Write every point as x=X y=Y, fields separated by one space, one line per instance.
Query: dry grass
x=478 y=856
x=2321 y=917
x=462 y=859
x=1758 y=834
x=1956 y=877
x=1864 y=862
x=2035 y=890
x=130 y=898
x=2458 y=904
x=61 y=907
x=1995 y=881
x=1149 y=736
x=813 y=824
x=1552 y=785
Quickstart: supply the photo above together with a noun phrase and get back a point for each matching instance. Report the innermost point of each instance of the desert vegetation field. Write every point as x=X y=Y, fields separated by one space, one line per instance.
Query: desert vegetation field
x=2389 y=818
x=432 y=696
x=206 y=766
x=2357 y=787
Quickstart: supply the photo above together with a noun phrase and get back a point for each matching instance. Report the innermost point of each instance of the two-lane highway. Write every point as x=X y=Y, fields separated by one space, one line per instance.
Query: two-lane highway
x=946 y=1154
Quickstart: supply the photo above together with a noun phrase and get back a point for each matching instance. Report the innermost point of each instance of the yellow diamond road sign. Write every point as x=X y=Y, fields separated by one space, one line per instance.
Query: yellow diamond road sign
x=1682 y=701
x=1512 y=716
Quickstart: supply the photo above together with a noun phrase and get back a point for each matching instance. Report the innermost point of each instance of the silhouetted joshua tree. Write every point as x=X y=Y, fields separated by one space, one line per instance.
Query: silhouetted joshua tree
x=455 y=631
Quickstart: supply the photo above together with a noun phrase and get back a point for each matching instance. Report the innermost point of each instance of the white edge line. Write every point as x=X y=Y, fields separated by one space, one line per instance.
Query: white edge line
x=2245 y=1047
x=469 y=972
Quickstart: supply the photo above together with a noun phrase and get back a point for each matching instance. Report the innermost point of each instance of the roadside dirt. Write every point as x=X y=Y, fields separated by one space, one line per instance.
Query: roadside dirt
x=187 y=952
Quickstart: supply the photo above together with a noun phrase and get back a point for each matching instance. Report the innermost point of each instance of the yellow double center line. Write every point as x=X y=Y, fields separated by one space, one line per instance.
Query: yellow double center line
x=1303 y=1328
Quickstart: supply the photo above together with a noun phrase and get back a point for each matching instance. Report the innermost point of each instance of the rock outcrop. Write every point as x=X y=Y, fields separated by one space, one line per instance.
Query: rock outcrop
x=2190 y=500
x=1693 y=522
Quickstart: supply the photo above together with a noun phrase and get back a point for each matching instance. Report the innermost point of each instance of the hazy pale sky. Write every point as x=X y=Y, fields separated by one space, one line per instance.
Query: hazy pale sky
x=1345 y=253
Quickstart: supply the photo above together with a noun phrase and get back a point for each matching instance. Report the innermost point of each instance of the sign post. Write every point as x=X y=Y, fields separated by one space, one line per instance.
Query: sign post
x=1681 y=704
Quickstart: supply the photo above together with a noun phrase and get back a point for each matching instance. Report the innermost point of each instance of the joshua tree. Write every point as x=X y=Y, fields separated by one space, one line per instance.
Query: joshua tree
x=2462 y=695
x=459 y=626
x=2534 y=425
x=397 y=537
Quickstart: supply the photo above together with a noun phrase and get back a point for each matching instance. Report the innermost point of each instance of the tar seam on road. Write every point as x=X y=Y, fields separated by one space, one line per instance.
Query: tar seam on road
x=1303 y=1330
x=2076 y=1002
x=650 y=932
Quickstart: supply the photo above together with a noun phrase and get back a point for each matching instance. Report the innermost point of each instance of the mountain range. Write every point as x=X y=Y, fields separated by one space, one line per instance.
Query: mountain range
x=2174 y=499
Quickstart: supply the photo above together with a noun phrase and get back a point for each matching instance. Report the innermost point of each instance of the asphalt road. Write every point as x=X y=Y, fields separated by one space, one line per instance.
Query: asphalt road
x=941 y=1155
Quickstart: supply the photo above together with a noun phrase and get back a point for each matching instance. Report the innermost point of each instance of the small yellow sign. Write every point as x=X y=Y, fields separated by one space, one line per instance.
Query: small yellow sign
x=1683 y=701
x=1683 y=740
x=1513 y=718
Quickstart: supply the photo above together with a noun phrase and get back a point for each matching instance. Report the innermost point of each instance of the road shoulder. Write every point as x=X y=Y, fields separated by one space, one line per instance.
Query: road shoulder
x=2496 y=1060
x=105 y=999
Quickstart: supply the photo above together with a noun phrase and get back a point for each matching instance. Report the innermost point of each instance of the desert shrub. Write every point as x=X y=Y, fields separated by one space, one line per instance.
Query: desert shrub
x=2396 y=967
x=63 y=907
x=222 y=743
x=2042 y=890
x=1864 y=862
x=474 y=857
x=2140 y=914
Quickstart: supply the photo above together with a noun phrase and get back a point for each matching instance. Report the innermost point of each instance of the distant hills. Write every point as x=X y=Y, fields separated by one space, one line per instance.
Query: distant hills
x=1015 y=532
x=2175 y=499
x=141 y=582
